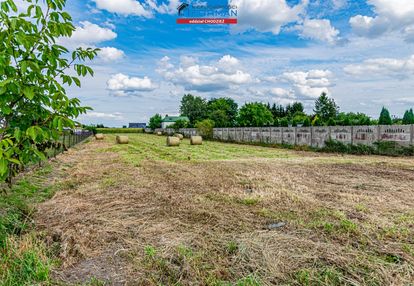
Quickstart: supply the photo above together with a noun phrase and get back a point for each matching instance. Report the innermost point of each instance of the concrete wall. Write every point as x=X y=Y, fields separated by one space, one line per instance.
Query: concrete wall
x=310 y=136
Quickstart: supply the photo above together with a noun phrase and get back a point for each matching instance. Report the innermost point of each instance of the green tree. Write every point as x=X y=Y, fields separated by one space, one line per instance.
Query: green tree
x=155 y=121
x=34 y=71
x=331 y=122
x=194 y=107
x=284 y=122
x=255 y=114
x=179 y=124
x=408 y=117
x=306 y=122
x=296 y=107
x=351 y=118
x=325 y=107
x=385 y=117
x=223 y=111
x=278 y=111
x=205 y=128
x=316 y=121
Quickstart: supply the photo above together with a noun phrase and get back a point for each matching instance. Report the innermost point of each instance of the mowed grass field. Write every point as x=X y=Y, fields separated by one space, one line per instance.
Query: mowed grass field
x=227 y=214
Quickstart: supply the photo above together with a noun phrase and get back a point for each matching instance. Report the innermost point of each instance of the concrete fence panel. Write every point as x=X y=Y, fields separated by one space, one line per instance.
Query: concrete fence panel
x=365 y=135
x=239 y=135
x=342 y=134
x=320 y=134
x=276 y=135
x=232 y=134
x=217 y=133
x=399 y=133
x=304 y=136
x=247 y=134
x=256 y=134
x=265 y=135
x=289 y=135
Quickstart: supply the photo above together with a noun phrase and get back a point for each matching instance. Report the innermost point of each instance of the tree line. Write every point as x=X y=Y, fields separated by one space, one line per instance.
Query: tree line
x=225 y=112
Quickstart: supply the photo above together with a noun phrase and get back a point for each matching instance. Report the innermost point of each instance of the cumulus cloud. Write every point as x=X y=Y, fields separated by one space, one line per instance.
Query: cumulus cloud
x=318 y=29
x=223 y=74
x=110 y=54
x=88 y=34
x=124 y=7
x=399 y=68
x=266 y=15
x=122 y=85
x=391 y=15
x=305 y=85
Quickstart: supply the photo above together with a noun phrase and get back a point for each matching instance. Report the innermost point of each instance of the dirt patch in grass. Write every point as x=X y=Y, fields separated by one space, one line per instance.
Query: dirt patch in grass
x=145 y=214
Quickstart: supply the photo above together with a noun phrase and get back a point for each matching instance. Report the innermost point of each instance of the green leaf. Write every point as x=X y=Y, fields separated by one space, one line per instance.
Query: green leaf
x=4 y=167
x=77 y=81
x=28 y=92
x=39 y=154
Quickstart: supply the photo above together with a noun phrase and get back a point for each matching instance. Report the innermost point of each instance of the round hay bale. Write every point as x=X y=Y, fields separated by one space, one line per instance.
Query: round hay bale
x=99 y=136
x=173 y=141
x=122 y=139
x=178 y=135
x=159 y=133
x=196 y=140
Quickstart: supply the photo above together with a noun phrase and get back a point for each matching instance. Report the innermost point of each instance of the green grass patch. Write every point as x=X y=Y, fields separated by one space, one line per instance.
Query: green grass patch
x=23 y=259
x=322 y=276
x=151 y=147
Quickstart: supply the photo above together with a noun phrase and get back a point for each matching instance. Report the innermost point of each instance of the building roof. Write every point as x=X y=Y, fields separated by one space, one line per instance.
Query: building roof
x=175 y=118
x=137 y=125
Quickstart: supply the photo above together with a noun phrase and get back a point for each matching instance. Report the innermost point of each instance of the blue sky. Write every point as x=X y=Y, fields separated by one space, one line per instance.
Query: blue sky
x=360 y=52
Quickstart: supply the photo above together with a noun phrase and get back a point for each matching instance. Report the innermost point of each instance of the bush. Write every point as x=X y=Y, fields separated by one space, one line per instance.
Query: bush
x=379 y=148
x=119 y=130
x=155 y=121
x=179 y=124
x=205 y=128
x=393 y=149
x=284 y=122
x=307 y=122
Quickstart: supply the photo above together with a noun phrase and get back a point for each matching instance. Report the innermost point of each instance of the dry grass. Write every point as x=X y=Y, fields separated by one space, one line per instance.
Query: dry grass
x=146 y=214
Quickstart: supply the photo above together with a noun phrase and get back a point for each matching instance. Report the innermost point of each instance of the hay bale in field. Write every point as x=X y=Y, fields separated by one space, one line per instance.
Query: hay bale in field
x=99 y=136
x=178 y=135
x=173 y=141
x=196 y=140
x=122 y=139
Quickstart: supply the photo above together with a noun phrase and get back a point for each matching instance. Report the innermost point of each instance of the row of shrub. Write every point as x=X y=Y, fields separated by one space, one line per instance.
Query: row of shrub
x=387 y=148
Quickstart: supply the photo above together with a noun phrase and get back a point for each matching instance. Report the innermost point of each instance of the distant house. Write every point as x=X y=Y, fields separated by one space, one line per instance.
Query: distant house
x=137 y=125
x=170 y=120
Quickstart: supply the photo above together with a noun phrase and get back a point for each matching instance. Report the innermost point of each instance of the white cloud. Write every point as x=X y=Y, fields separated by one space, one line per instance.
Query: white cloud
x=88 y=34
x=222 y=74
x=110 y=54
x=338 y=4
x=124 y=7
x=399 y=68
x=170 y=8
x=93 y=114
x=392 y=15
x=266 y=15
x=281 y=92
x=318 y=29
x=122 y=85
x=310 y=84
